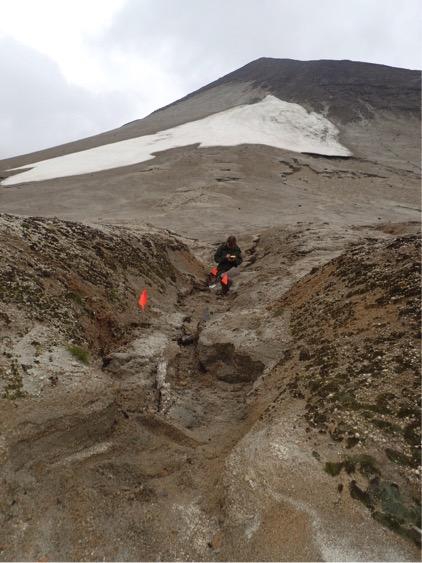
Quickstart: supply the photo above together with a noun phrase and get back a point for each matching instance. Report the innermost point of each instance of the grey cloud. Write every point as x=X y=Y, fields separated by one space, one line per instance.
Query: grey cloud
x=39 y=108
x=203 y=40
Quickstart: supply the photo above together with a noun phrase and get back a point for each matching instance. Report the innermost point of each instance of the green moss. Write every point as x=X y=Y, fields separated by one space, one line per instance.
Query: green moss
x=316 y=455
x=333 y=468
x=368 y=465
x=359 y=494
x=398 y=457
x=387 y=426
x=364 y=463
x=79 y=353
x=349 y=466
x=393 y=524
x=388 y=507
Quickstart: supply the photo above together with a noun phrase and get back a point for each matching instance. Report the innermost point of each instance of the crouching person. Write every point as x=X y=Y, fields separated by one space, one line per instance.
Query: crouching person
x=227 y=256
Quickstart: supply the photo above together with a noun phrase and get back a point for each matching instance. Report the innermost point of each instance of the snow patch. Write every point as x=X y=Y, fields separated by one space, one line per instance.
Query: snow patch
x=271 y=122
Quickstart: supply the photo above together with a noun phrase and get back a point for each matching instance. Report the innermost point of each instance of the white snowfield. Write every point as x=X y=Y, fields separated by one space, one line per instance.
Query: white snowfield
x=269 y=122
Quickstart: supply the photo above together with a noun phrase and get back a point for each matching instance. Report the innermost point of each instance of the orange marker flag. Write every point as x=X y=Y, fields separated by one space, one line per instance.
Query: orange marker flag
x=225 y=279
x=214 y=272
x=143 y=299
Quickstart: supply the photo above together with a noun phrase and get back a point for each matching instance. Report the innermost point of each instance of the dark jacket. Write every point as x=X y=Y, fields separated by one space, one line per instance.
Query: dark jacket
x=223 y=263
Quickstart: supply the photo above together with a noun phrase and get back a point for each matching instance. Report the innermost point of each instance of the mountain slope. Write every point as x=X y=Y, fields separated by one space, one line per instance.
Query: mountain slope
x=347 y=90
x=203 y=191
x=280 y=423
x=344 y=90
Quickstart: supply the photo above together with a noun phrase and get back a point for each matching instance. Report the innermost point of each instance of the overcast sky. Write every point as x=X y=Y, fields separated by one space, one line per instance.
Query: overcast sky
x=74 y=68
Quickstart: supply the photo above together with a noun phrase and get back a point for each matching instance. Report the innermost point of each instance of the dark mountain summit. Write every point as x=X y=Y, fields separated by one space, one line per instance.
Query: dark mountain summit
x=349 y=90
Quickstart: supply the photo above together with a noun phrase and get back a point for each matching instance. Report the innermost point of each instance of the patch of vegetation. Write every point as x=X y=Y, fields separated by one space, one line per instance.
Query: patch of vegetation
x=361 y=378
x=368 y=465
x=387 y=426
x=333 y=468
x=278 y=310
x=384 y=500
x=399 y=458
x=381 y=497
x=14 y=383
x=364 y=463
x=393 y=524
x=75 y=296
x=79 y=353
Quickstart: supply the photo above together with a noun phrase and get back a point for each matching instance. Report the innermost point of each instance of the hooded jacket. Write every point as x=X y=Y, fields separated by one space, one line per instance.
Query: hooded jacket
x=220 y=257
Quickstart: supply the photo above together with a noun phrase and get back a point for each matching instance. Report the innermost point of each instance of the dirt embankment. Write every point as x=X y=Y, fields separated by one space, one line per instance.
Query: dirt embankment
x=204 y=428
x=355 y=361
